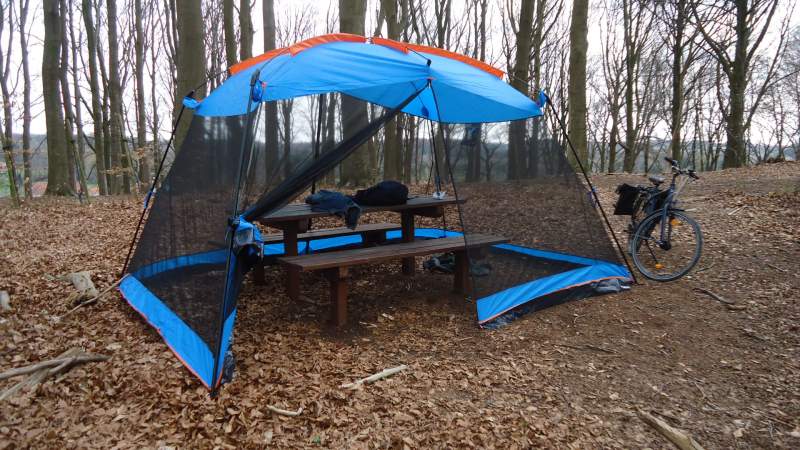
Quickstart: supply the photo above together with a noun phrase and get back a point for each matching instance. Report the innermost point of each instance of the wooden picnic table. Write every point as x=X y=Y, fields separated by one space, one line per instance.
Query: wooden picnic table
x=295 y=218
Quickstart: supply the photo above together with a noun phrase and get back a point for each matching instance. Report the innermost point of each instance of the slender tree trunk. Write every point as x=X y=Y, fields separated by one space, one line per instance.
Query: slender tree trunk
x=94 y=83
x=392 y=149
x=286 y=109
x=141 y=119
x=356 y=169
x=7 y=140
x=629 y=160
x=245 y=30
x=57 y=160
x=517 y=148
x=676 y=109
x=229 y=31
x=736 y=150
x=537 y=41
x=72 y=111
x=155 y=122
x=26 y=100
x=191 y=60
x=66 y=99
x=115 y=103
x=271 y=108
x=577 y=77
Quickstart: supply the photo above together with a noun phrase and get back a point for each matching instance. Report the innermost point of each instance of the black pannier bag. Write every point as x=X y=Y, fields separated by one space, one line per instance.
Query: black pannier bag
x=627 y=198
x=385 y=193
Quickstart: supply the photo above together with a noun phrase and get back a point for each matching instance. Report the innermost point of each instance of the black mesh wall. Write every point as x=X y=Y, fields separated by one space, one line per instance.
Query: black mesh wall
x=518 y=184
x=181 y=254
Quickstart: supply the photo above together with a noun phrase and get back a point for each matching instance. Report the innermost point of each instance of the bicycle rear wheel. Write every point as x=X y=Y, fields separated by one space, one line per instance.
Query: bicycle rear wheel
x=672 y=257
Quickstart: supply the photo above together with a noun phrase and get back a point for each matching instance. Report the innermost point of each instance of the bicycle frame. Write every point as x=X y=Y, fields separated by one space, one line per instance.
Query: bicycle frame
x=674 y=191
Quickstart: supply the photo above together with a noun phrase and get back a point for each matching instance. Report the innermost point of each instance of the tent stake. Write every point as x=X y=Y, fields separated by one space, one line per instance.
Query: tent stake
x=591 y=187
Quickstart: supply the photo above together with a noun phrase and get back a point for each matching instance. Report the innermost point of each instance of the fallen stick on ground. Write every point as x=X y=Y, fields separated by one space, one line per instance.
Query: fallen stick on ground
x=777 y=268
x=284 y=412
x=38 y=373
x=704 y=268
x=678 y=438
x=588 y=347
x=716 y=297
x=735 y=210
x=92 y=300
x=374 y=377
x=52 y=364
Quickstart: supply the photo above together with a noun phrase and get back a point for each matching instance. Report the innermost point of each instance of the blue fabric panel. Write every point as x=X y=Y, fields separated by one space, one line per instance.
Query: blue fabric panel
x=227 y=332
x=380 y=75
x=551 y=255
x=181 y=339
x=211 y=257
x=494 y=305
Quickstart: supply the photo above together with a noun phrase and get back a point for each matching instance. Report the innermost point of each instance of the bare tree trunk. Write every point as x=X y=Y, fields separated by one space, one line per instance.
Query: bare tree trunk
x=121 y=183
x=141 y=119
x=94 y=83
x=230 y=33
x=191 y=60
x=629 y=160
x=66 y=100
x=392 y=148
x=356 y=169
x=155 y=120
x=8 y=135
x=72 y=112
x=26 y=99
x=271 y=108
x=57 y=160
x=245 y=30
x=517 y=149
x=577 y=77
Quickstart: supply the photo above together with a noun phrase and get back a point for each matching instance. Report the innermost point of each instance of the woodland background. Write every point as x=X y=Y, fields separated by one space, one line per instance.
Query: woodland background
x=715 y=84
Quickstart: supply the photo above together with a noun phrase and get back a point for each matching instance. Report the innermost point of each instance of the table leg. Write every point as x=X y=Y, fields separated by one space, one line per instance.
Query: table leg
x=461 y=282
x=338 y=279
x=290 y=249
x=407 y=226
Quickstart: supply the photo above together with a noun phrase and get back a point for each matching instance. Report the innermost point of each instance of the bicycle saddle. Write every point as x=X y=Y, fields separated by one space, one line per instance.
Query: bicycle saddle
x=655 y=179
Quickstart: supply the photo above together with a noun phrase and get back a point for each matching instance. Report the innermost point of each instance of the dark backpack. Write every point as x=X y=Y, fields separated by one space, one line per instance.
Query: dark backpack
x=385 y=193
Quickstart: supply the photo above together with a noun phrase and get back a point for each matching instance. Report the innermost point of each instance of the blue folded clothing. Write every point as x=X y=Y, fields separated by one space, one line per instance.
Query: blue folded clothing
x=337 y=204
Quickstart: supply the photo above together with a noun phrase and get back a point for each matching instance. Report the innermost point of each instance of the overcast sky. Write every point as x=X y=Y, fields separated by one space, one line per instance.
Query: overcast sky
x=283 y=8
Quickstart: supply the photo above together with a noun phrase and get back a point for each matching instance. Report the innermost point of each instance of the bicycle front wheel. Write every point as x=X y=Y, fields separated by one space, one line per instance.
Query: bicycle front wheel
x=669 y=253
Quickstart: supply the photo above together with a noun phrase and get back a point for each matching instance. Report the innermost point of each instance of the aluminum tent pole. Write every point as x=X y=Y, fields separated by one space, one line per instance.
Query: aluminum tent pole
x=233 y=221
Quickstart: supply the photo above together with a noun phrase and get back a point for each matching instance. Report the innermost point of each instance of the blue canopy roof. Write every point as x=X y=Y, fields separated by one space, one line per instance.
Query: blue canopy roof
x=461 y=90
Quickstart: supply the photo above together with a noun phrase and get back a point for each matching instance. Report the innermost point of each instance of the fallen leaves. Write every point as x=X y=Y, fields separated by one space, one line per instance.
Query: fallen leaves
x=521 y=386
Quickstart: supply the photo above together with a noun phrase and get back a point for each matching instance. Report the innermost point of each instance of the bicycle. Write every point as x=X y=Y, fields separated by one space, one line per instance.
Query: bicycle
x=665 y=243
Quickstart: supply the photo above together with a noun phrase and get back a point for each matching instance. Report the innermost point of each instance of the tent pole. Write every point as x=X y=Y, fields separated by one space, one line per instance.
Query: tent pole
x=591 y=187
x=233 y=222
x=151 y=192
x=299 y=182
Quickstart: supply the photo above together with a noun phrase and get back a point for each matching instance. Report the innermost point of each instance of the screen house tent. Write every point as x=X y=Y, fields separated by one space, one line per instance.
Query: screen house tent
x=343 y=110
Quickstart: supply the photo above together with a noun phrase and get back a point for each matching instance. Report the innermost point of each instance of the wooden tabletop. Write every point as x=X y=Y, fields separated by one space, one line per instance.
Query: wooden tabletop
x=302 y=211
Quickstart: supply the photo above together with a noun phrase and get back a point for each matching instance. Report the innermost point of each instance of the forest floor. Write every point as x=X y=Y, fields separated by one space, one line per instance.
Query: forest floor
x=571 y=376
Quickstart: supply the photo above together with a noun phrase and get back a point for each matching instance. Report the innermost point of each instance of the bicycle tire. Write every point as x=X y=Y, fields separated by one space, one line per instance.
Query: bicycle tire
x=649 y=225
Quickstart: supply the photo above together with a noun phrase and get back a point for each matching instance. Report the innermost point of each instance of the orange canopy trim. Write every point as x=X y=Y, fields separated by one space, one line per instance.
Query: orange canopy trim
x=399 y=46
x=325 y=39
x=405 y=47
x=345 y=37
x=238 y=67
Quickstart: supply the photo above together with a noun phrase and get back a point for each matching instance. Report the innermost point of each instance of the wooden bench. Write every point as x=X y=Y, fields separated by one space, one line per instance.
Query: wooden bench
x=335 y=264
x=371 y=233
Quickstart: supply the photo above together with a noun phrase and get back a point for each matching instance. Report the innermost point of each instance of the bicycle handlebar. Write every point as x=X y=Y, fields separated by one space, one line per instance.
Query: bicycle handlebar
x=676 y=167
